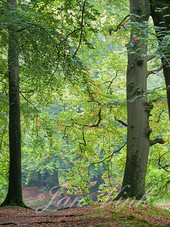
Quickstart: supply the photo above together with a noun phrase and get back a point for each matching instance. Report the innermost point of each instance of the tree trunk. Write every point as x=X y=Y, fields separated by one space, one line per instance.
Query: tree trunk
x=40 y=179
x=160 y=12
x=55 y=178
x=14 y=195
x=138 y=117
x=51 y=179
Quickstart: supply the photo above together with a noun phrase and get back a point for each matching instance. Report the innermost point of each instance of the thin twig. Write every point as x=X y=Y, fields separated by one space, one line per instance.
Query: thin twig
x=154 y=71
x=108 y=158
x=28 y=101
x=152 y=56
x=159 y=117
x=92 y=99
x=118 y=26
x=165 y=167
x=69 y=35
x=100 y=119
x=112 y=80
x=82 y=19
x=121 y=122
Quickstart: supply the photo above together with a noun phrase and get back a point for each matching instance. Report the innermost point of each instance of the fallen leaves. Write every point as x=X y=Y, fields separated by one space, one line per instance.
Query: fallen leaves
x=110 y=215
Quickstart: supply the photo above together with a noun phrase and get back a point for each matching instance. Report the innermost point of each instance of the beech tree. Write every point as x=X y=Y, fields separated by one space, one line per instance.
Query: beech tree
x=138 y=108
x=14 y=196
x=137 y=113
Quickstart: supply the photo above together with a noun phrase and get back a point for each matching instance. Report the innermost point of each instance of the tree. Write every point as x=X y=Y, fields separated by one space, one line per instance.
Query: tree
x=160 y=12
x=14 y=195
x=138 y=109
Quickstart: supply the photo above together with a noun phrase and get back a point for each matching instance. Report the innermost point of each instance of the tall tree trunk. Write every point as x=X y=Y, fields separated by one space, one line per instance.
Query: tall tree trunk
x=160 y=12
x=55 y=177
x=138 y=117
x=40 y=179
x=14 y=195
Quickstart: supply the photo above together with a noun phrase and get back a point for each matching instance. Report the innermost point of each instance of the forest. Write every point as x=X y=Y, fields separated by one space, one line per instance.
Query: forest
x=84 y=102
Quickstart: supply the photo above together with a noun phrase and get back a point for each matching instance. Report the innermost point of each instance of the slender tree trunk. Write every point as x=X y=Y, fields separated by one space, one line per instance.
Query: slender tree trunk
x=160 y=12
x=138 y=117
x=40 y=179
x=55 y=177
x=14 y=195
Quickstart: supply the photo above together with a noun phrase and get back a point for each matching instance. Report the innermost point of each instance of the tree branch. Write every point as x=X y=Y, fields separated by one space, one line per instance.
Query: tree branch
x=84 y=144
x=154 y=71
x=160 y=116
x=166 y=184
x=108 y=158
x=28 y=101
x=152 y=56
x=82 y=19
x=121 y=122
x=112 y=80
x=69 y=35
x=155 y=141
x=22 y=29
x=118 y=26
x=92 y=99
x=100 y=119
x=165 y=167
x=65 y=129
x=30 y=91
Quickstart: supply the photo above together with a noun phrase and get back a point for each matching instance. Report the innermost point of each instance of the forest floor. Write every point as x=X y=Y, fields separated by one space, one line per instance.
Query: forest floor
x=122 y=213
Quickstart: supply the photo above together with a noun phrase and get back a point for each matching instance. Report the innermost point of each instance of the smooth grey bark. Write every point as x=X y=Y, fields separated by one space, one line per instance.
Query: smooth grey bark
x=133 y=185
x=14 y=195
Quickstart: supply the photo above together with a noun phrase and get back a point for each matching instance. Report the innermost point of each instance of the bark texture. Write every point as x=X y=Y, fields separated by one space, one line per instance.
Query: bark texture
x=14 y=195
x=160 y=12
x=137 y=108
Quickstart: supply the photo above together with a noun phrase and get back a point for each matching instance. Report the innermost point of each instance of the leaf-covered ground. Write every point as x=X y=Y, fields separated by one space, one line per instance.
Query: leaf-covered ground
x=110 y=215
